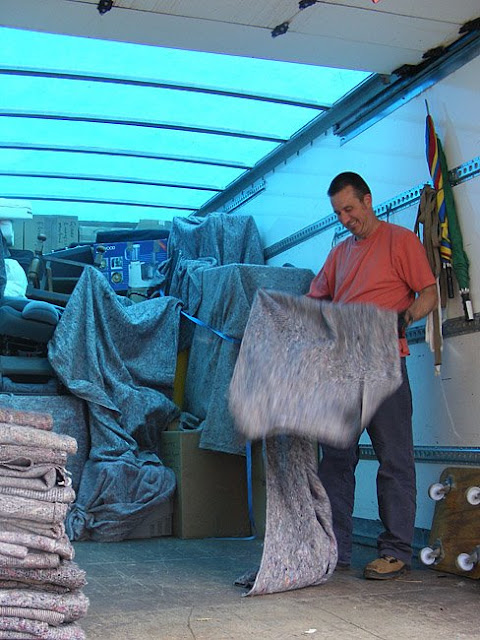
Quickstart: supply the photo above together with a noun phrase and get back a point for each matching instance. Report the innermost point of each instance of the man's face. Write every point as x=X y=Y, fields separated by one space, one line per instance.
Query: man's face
x=356 y=215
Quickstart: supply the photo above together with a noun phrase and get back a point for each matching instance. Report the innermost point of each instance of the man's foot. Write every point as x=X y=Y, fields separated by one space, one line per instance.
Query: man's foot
x=385 y=568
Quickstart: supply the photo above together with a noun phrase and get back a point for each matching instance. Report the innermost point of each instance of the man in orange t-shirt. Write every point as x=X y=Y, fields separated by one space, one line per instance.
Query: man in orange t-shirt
x=385 y=265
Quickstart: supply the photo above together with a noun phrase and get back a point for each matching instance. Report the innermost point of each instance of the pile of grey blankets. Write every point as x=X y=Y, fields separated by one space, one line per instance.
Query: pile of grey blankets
x=40 y=586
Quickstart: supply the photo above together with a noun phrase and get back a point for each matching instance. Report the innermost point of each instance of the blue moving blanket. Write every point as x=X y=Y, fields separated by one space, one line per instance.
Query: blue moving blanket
x=120 y=358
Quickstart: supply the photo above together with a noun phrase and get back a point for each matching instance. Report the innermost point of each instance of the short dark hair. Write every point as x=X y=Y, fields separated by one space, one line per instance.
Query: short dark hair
x=349 y=179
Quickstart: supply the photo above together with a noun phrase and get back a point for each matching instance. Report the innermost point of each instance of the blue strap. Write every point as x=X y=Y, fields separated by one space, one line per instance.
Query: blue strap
x=200 y=323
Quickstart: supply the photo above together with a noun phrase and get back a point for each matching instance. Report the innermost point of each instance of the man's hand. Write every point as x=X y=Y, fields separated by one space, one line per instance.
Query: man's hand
x=426 y=301
x=404 y=321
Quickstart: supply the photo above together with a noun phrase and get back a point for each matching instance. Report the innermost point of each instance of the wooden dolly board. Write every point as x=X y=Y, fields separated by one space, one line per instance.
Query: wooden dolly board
x=454 y=542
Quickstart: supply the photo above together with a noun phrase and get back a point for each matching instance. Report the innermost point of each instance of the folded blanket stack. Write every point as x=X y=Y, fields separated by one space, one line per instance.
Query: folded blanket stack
x=40 y=585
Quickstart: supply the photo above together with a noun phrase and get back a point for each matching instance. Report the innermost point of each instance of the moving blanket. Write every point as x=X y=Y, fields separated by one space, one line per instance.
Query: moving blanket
x=197 y=244
x=300 y=549
x=67 y=415
x=227 y=295
x=32 y=561
x=14 y=628
x=226 y=238
x=313 y=368
x=28 y=541
x=13 y=434
x=25 y=509
x=25 y=418
x=72 y=606
x=56 y=531
x=57 y=494
x=19 y=457
x=39 y=477
x=186 y=282
x=66 y=577
x=316 y=371
x=120 y=358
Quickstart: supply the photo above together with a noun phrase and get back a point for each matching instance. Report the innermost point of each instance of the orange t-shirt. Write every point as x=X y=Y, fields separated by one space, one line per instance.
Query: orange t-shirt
x=386 y=269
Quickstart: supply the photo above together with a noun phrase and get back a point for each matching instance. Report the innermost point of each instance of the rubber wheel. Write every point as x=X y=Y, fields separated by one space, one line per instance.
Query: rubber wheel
x=427 y=555
x=473 y=495
x=464 y=562
x=437 y=491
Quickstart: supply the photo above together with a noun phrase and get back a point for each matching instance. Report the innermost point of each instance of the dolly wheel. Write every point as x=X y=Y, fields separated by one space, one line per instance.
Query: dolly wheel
x=473 y=495
x=437 y=491
x=464 y=562
x=428 y=555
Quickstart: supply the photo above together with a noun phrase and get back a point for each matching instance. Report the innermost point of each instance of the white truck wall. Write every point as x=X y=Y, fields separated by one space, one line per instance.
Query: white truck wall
x=391 y=157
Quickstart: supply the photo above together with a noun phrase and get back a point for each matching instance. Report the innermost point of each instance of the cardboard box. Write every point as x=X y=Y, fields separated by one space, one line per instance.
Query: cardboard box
x=153 y=224
x=88 y=231
x=211 y=495
x=156 y=524
x=61 y=231
x=131 y=265
x=18 y=233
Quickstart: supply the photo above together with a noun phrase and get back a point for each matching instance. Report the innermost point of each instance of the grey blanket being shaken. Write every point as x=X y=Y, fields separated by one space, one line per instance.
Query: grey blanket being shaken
x=316 y=371
x=120 y=358
x=311 y=368
x=300 y=549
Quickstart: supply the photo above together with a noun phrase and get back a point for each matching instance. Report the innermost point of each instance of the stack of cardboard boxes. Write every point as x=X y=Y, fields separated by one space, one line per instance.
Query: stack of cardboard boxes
x=60 y=232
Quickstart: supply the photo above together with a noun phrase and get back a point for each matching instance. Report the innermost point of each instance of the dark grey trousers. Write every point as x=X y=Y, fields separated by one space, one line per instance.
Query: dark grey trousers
x=391 y=434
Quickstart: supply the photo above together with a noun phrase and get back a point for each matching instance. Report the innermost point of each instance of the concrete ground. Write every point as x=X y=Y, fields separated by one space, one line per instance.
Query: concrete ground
x=172 y=589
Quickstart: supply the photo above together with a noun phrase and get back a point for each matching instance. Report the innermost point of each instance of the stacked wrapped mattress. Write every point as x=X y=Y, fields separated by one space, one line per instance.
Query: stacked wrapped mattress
x=40 y=586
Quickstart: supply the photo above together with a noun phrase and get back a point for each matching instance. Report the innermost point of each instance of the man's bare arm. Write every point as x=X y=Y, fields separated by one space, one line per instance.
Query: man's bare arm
x=426 y=301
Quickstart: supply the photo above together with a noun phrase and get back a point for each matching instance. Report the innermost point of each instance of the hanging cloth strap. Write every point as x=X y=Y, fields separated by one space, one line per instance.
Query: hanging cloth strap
x=428 y=216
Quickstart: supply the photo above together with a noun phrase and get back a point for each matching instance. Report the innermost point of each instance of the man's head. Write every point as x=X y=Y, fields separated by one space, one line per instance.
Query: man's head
x=352 y=202
x=349 y=179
